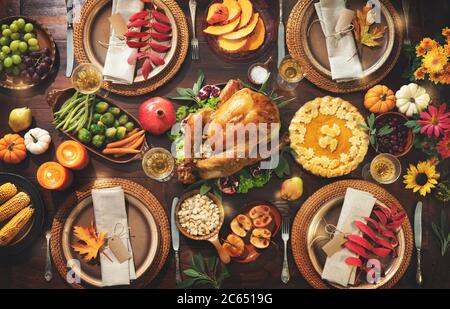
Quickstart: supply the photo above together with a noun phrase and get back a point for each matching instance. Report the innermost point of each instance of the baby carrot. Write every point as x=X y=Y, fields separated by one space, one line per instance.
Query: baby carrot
x=125 y=141
x=119 y=151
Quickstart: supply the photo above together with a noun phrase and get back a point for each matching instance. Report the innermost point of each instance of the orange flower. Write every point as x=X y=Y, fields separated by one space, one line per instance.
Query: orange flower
x=446 y=33
x=435 y=77
x=447 y=49
x=420 y=50
x=435 y=60
x=419 y=74
x=428 y=44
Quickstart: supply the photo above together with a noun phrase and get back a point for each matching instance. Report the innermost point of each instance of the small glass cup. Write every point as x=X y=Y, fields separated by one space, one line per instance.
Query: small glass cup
x=87 y=78
x=384 y=169
x=290 y=73
x=158 y=164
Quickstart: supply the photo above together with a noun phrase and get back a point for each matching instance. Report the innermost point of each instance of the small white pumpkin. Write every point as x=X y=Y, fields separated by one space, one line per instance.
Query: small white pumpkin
x=412 y=99
x=37 y=141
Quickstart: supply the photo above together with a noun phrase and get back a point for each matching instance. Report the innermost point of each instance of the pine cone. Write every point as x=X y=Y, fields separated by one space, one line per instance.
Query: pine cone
x=186 y=173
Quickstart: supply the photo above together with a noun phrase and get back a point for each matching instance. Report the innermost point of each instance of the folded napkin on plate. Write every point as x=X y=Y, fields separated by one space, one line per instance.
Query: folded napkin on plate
x=110 y=213
x=117 y=69
x=344 y=61
x=357 y=205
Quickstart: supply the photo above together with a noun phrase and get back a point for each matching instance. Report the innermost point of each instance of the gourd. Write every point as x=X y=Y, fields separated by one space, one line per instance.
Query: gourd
x=37 y=141
x=12 y=149
x=412 y=99
x=379 y=99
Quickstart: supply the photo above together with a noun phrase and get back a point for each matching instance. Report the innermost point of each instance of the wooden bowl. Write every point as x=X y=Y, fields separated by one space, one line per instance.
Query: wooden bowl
x=409 y=139
x=56 y=98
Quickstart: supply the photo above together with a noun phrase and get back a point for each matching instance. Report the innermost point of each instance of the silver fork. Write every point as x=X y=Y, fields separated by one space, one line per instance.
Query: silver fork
x=285 y=230
x=48 y=265
x=194 y=41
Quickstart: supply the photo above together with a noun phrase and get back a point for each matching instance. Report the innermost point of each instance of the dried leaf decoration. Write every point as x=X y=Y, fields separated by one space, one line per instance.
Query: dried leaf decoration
x=365 y=33
x=90 y=241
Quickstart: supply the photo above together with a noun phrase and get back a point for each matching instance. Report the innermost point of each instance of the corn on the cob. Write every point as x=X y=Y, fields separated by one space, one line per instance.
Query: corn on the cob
x=13 y=227
x=14 y=205
x=7 y=191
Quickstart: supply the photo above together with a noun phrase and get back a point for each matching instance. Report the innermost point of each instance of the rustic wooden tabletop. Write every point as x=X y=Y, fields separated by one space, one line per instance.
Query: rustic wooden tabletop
x=27 y=269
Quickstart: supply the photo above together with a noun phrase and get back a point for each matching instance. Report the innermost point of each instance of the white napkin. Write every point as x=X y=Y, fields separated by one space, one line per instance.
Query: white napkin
x=357 y=205
x=344 y=60
x=117 y=69
x=110 y=213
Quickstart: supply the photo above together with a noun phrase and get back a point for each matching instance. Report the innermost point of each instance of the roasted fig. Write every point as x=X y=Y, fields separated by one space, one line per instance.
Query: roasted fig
x=234 y=245
x=241 y=225
x=260 y=238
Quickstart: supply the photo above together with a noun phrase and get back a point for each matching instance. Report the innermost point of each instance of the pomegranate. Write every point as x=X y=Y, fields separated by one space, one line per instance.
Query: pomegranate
x=157 y=115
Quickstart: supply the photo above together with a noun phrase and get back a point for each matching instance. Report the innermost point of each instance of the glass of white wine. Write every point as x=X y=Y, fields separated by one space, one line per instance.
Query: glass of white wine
x=384 y=169
x=290 y=73
x=158 y=164
x=87 y=78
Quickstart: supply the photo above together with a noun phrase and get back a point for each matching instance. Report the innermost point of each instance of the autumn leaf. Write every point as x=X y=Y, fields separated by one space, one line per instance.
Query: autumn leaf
x=90 y=241
x=365 y=34
x=375 y=33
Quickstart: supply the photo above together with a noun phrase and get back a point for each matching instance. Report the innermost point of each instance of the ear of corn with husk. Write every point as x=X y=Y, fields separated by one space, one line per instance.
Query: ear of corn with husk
x=13 y=227
x=14 y=205
x=7 y=191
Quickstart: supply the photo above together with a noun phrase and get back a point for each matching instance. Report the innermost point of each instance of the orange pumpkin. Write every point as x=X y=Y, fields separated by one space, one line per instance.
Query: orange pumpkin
x=379 y=99
x=12 y=149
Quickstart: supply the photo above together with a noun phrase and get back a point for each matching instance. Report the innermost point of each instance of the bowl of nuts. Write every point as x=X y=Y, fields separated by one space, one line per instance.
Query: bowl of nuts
x=200 y=217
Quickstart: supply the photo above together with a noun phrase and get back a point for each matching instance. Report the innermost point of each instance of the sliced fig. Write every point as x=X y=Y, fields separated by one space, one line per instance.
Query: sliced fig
x=260 y=238
x=234 y=245
x=241 y=225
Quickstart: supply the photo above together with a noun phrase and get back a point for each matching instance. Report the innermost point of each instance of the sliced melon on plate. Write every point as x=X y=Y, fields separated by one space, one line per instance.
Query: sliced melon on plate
x=244 y=32
x=256 y=39
x=222 y=29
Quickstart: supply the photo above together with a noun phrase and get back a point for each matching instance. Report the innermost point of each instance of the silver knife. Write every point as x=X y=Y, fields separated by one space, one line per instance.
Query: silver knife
x=281 y=50
x=69 y=65
x=175 y=240
x=418 y=239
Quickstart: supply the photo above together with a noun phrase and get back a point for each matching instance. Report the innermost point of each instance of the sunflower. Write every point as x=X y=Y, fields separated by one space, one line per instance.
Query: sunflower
x=422 y=177
x=428 y=43
x=419 y=74
x=435 y=60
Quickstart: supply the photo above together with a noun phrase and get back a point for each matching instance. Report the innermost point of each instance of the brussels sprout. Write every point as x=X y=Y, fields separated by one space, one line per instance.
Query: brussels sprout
x=121 y=132
x=98 y=141
x=97 y=129
x=116 y=123
x=111 y=133
x=114 y=110
x=101 y=107
x=107 y=119
x=84 y=136
x=123 y=119
x=129 y=125
x=96 y=117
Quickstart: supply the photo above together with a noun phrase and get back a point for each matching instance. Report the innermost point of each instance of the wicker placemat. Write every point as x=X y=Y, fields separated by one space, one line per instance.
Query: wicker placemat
x=311 y=206
x=153 y=83
x=295 y=44
x=131 y=188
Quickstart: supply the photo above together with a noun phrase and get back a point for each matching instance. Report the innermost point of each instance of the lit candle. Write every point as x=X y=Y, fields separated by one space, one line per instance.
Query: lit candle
x=54 y=176
x=72 y=155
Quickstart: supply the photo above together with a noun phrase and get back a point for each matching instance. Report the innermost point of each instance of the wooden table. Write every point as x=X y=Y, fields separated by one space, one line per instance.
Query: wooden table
x=27 y=269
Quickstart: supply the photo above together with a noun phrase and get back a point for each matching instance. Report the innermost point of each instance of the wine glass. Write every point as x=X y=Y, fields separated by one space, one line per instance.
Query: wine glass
x=384 y=169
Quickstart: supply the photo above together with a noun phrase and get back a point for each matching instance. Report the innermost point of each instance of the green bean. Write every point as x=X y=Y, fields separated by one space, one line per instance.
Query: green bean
x=73 y=97
x=70 y=116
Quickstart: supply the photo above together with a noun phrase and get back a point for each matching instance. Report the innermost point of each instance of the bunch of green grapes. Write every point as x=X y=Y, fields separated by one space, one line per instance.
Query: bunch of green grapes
x=17 y=41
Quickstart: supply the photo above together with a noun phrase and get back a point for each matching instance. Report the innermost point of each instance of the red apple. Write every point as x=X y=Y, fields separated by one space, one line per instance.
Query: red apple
x=157 y=115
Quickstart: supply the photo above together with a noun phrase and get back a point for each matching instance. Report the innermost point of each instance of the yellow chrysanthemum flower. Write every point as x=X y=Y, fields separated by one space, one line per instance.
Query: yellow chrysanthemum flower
x=422 y=177
x=420 y=51
x=419 y=74
x=435 y=60
x=447 y=49
x=428 y=43
x=446 y=32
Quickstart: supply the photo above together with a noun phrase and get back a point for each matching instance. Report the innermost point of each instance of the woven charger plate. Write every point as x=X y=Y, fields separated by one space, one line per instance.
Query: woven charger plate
x=130 y=188
x=153 y=83
x=296 y=41
x=309 y=208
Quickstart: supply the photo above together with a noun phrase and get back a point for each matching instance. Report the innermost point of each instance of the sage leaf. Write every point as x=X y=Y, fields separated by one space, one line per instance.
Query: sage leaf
x=190 y=272
x=198 y=262
x=205 y=188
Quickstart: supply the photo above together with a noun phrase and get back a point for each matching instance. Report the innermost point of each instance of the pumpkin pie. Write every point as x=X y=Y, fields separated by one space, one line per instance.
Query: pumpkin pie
x=326 y=135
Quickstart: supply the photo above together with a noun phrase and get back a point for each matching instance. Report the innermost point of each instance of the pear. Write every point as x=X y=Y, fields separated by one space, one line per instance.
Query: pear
x=292 y=189
x=20 y=119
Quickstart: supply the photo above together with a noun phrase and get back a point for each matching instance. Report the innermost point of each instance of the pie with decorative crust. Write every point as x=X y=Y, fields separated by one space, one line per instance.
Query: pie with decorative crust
x=326 y=135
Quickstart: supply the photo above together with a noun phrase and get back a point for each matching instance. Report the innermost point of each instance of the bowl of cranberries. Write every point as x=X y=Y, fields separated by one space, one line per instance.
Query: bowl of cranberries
x=399 y=141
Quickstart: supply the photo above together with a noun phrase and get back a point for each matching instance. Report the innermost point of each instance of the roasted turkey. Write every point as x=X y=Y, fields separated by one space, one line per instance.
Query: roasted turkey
x=214 y=159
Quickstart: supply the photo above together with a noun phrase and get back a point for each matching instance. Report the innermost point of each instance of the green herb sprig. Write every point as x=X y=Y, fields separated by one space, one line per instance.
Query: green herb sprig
x=374 y=132
x=441 y=231
x=200 y=273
